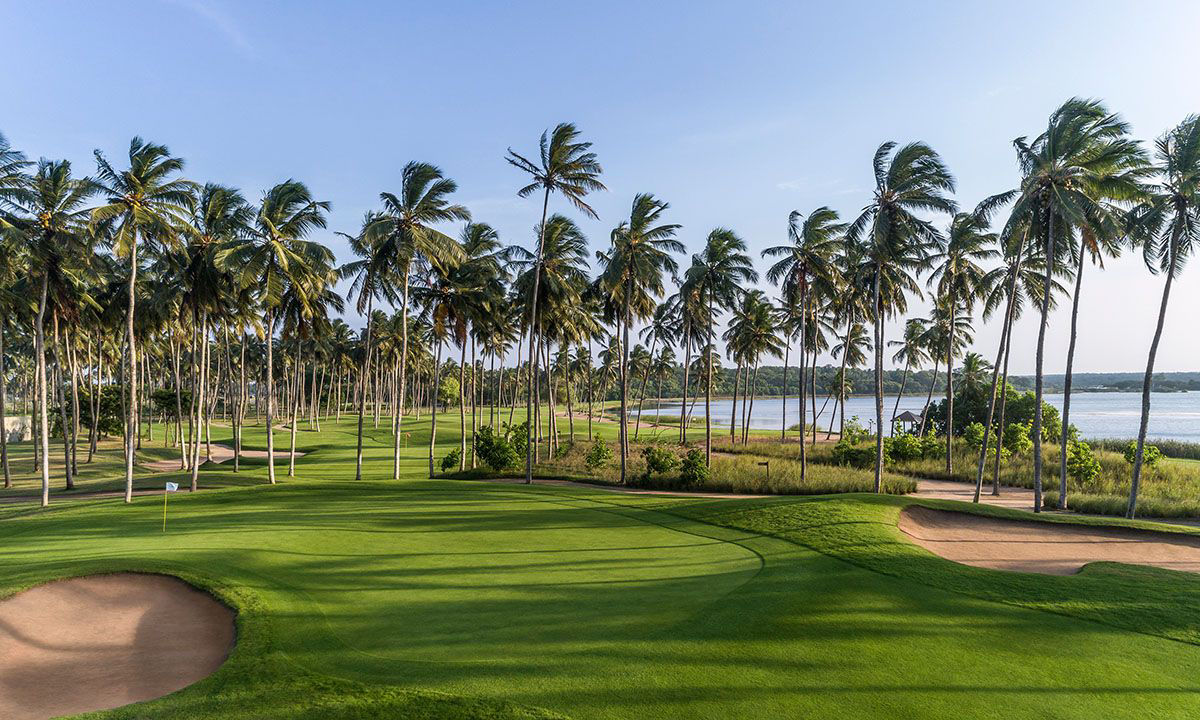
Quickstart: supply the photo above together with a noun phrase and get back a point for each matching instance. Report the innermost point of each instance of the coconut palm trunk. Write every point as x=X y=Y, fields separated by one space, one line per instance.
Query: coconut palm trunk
x=687 y=363
x=3 y=421
x=787 y=347
x=362 y=398
x=737 y=377
x=637 y=424
x=950 y=392
x=1039 y=363
x=937 y=366
x=462 y=408
x=131 y=374
x=878 y=380
x=533 y=308
x=403 y=377
x=270 y=408
x=62 y=405
x=39 y=338
x=433 y=403
x=708 y=368
x=1066 y=411
x=1144 y=423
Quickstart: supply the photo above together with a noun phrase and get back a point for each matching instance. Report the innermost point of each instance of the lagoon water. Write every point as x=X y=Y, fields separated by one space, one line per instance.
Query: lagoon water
x=1173 y=416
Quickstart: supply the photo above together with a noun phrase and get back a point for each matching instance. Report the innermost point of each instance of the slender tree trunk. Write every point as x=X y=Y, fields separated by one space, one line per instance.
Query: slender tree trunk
x=1144 y=423
x=903 y=383
x=1003 y=408
x=625 y=380
x=199 y=387
x=733 y=408
x=297 y=396
x=39 y=339
x=1005 y=336
x=362 y=398
x=750 y=411
x=937 y=366
x=533 y=308
x=74 y=368
x=637 y=425
x=403 y=376
x=708 y=368
x=433 y=403
x=270 y=409
x=3 y=417
x=800 y=367
x=812 y=386
x=1066 y=412
x=683 y=408
x=462 y=408
x=787 y=348
x=950 y=392
x=131 y=372
x=1039 y=363
x=878 y=381
x=62 y=405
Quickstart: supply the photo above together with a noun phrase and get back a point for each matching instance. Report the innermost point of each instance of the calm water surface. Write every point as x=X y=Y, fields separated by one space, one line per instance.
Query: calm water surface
x=1173 y=416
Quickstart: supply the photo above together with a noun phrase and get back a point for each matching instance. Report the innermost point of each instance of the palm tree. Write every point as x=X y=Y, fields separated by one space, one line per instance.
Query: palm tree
x=273 y=257
x=13 y=185
x=1082 y=161
x=718 y=273
x=910 y=351
x=49 y=223
x=958 y=279
x=663 y=330
x=559 y=276
x=908 y=180
x=401 y=235
x=852 y=349
x=1168 y=225
x=752 y=331
x=569 y=167
x=146 y=203
x=633 y=280
x=222 y=217
x=807 y=267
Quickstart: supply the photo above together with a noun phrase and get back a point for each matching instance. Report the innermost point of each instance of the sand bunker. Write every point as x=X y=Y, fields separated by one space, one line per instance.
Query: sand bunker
x=1040 y=547
x=100 y=642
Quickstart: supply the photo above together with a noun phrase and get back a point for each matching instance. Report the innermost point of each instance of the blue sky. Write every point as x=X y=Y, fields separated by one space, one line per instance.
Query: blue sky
x=735 y=113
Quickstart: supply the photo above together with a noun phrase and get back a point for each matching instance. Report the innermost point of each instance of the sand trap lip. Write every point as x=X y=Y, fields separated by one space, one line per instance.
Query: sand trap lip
x=103 y=641
x=1041 y=547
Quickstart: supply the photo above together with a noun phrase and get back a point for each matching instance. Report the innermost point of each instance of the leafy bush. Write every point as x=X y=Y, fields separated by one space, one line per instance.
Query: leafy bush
x=933 y=447
x=494 y=449
x=599 y=455
x=1016 y=438
x=451 y=460
x=973 y=435
x=902 y=447
x=693 y=471
x=658 y=460
x=1150 y=454
x=854 y=432
x=518 y=437
x=1081 y=463
x=846 y=453
x=448 y=390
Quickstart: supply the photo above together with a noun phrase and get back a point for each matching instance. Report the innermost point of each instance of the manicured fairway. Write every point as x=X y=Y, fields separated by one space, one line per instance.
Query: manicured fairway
x=592 y=605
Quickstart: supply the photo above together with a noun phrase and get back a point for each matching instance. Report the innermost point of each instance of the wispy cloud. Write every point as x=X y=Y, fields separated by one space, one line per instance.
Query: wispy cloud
x=825 y=186
x=218 y=19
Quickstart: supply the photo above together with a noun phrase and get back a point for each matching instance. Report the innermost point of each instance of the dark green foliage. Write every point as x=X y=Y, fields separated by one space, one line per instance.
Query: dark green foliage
x=693 y=471
x=451 y=460
x=1016 y=438
x=1081 y=463
x=494 y=449
x=658 y=460
x=111 y=413
x=164 y=403
x=902 y=447
x=847 y=453
x=518 y=438
x=1150 y=454
x=599 y=454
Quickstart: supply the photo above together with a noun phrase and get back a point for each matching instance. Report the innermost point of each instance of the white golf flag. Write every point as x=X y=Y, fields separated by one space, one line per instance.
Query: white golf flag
x=172 y=487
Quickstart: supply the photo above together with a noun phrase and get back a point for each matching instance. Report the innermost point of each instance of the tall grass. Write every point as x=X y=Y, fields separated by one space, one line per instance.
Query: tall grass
x=1171 y=448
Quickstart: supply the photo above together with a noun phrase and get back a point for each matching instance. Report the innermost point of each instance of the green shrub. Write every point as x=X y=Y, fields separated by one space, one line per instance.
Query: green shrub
x=1150 y=454
x=1016 y=438
x=451 y=460
x=494 y=449
x=599 y=455
x=846 y=453
x=903 y=447
x=1081 y=463
x=973 y=435
x=518 y=437
x=658 y=460
x=693 y=471
x=933 y=447
x=854 y=432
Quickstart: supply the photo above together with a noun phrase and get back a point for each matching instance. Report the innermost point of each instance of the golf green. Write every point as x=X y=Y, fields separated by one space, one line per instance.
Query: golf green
x=357 y=599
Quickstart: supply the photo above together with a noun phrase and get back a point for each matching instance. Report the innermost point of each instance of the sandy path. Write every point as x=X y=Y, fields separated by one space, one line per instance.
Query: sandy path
x=220 y=453
x=1039 y=547
x=104 y=641
x=1009 y=497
